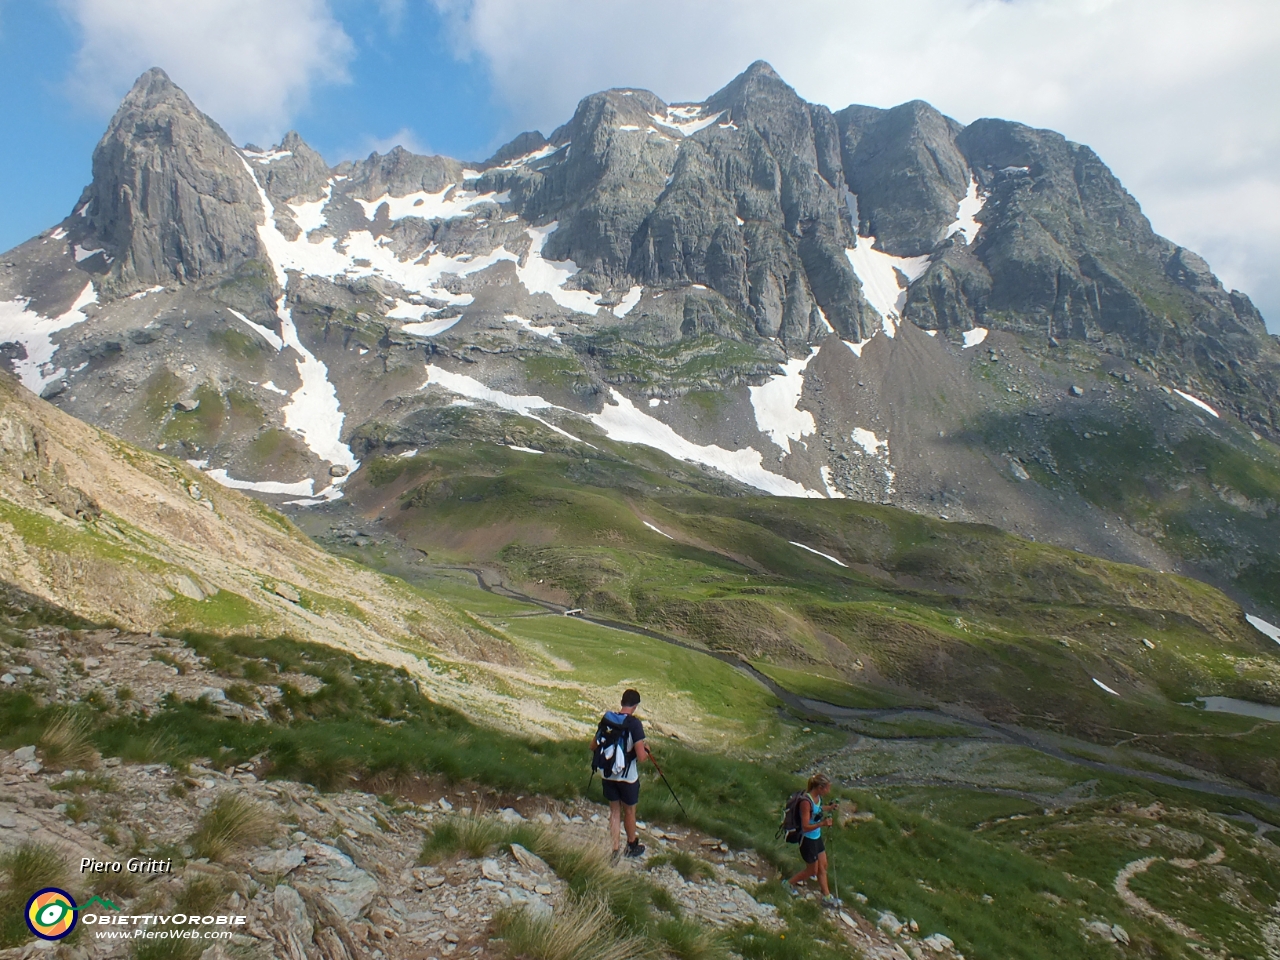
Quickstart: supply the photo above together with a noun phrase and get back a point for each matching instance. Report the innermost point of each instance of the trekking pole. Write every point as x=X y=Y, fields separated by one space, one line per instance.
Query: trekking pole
x=654 y=761
x=591 y=778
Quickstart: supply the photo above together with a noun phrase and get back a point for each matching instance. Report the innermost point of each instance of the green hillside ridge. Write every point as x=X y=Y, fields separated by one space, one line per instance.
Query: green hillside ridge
x=923 y=611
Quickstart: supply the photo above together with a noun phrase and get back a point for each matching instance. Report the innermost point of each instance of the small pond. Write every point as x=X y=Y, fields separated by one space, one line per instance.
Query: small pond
x=1244 y=708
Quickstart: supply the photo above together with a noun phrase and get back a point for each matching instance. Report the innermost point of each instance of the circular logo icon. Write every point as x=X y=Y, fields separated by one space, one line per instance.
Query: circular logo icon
x=51 y=913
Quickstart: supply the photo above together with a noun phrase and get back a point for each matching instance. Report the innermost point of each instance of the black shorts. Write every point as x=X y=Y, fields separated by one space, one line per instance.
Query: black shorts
x=619 y=791
x=810 y=849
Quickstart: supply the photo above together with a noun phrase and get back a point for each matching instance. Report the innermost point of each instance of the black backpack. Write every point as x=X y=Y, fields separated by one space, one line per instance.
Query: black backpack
x=611 y=756
x=790 y=826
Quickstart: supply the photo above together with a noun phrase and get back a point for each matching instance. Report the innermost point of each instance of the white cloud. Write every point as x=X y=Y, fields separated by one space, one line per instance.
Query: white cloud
x=1178 y=96
x=404 y=137
x=250 y=64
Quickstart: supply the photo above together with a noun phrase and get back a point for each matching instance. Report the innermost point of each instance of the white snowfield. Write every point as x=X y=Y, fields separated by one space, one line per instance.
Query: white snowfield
x=19 y=324
x=1199 y=403
x=548 y=331
x=266 y=334
x=774 y=403
x=825 y=556
x=629 y=301
x=656 y=530
x=448 y=203
x=313 y=411
x=1105 y=687
x=832 y=490
x=549 y=276
x=431 y=328
x=975 y=336
x=622 y=421
x=878 y=273
x=1263 y=627
x=686 y=119
x=309 y=215
x=969 y=207
x=141 y=294
x=869 y=442
x=303 y=488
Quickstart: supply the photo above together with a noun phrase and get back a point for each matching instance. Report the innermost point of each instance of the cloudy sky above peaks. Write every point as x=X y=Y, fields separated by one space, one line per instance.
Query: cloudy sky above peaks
x=1178 y=96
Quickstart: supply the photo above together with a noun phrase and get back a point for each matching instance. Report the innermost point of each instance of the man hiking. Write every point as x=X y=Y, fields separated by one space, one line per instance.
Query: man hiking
x=812 y=849
x=617 y=748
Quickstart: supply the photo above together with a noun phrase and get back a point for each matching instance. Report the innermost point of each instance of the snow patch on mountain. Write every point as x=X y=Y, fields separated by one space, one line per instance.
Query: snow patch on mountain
x=303 y=488
x=1263 y=627
x=313 y=410
x=656 y=530
x=548 y=331
x=309 y=215
x=449 y=203
x=622 y=421
x=687 y=119
x=465 y=386
x=968 y=208
x=824 y=556
x=975 y=336
x=404 y=310
x=871 y=444
x=431 y=328
x=22 y=325
x=1199 y=403
x=879 y=273
x=1105 y=687
x=628 y=302
x=268 y=335
x=142 y=294
x=775 y=405
x=540 y=275
x=832 y=490
x=82 y=254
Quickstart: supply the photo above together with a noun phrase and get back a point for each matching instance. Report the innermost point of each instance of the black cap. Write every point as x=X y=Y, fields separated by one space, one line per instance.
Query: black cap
x=630 y=698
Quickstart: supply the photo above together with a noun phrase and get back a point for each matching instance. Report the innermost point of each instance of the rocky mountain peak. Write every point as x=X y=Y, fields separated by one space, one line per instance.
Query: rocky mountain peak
x=171 y=198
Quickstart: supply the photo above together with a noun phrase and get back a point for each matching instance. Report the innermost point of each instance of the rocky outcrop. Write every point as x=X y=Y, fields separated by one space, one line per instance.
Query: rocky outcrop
x=171 y=199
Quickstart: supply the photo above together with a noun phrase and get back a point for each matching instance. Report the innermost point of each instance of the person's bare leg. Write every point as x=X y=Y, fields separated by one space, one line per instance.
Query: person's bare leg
x=629 y=812
x=821 y=870
x=615 y=823
x=808 y=873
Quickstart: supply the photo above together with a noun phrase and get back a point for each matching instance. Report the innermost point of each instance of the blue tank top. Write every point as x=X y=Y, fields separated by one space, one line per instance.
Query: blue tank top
x=815 y=816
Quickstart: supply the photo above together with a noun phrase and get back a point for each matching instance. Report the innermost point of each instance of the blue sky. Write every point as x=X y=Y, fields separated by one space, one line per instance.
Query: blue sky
x=1177 y=96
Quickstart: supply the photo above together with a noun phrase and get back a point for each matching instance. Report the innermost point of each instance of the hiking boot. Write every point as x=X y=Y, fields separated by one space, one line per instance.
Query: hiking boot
x=635 y=849
x=790 y=888
x=832 y=902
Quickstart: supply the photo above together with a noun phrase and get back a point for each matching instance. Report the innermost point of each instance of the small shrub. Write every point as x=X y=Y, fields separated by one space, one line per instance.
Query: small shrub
x=231 y=823
x=124 y=694
x=65 y=744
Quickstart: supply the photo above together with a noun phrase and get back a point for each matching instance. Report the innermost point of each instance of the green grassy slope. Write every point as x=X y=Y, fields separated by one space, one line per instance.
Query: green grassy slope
x=920 y=609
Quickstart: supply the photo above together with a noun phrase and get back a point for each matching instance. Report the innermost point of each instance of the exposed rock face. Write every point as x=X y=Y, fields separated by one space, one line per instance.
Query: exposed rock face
x=170 y=198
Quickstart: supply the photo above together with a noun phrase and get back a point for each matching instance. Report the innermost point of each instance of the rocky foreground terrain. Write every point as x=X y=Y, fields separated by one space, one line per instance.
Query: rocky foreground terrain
x=326 y=875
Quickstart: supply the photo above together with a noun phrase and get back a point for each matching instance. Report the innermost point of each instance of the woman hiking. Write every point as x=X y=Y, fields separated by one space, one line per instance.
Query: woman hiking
x=812 y=849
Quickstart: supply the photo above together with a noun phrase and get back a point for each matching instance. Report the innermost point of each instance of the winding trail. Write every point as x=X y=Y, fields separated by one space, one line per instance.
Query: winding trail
x=830 y=714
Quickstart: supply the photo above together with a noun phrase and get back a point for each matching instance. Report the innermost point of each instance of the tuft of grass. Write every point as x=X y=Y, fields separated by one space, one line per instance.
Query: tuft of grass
x=65 y=744
x=25 y=868
x=30 y=866
x=233 y=822
x=474 y=836
x=687 y=940
x=85 y=782
x=580 y=930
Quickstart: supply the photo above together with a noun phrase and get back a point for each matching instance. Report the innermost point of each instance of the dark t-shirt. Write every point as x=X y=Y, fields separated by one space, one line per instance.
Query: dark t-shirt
x=635 y=733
